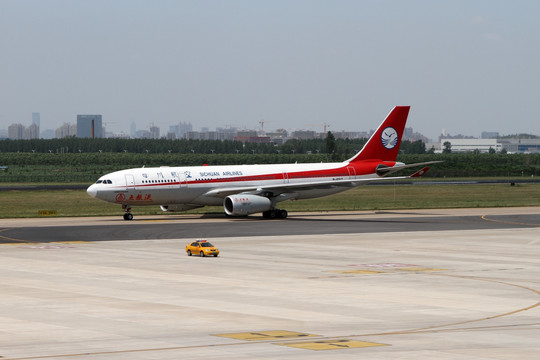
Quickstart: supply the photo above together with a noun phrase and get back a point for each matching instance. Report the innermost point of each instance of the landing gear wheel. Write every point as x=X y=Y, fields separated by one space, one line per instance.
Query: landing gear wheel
x=275 y=214
x=127 y=214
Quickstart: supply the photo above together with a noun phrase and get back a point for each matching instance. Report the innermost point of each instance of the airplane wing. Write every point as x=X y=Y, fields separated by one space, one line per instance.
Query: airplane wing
x=288 y=188
x=278 y=189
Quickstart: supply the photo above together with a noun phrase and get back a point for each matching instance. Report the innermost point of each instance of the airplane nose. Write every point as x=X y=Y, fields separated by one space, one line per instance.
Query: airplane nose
x=92 y=191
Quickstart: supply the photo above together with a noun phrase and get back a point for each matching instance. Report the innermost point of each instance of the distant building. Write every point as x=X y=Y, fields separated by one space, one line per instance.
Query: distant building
x=47 y=134
x=210 y=135
x=154 y=132
x=89 y=126
x=36 y=118
x=192 y=135
x=446 y=136
x=31 y=132
x=20 y=132
x=227 y=133
x=517 y=145
x=251 y=136
x=15 y=131
x=411 y=135
x=180 y=129
x=511 y=145
x=471 y=145
x=489 y=135
x=435 y=147
x=303 y=134
x=346 y=135
x=278 y=137
x=143 y=134
x=253 y=139
x=66 y=130
x=247 y=133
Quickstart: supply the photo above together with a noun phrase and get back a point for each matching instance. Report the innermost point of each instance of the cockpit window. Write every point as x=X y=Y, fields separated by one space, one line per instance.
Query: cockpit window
x=98 y=182
x=104 y=182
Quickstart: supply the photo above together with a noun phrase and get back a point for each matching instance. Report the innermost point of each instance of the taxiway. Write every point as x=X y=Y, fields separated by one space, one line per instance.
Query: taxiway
x=442 y=284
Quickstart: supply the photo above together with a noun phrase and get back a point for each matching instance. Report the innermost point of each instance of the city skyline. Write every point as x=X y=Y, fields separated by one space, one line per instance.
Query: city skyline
x=131 y=130
x=467 y=66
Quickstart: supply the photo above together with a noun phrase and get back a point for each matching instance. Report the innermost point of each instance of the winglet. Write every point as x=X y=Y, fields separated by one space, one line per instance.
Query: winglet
x=420 y=172
x=385 y=141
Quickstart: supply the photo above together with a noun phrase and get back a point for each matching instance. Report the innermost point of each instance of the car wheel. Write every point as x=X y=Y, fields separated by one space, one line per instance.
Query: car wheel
x=189 y=253
x=215 y=255
x=201 y=254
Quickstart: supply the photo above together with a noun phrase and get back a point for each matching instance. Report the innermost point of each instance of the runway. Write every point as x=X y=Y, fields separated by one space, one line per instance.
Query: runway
x=420 y=284
x=218 y=225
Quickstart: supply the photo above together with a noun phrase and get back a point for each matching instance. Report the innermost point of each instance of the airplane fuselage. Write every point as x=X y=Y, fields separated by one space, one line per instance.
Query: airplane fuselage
x=190 y=185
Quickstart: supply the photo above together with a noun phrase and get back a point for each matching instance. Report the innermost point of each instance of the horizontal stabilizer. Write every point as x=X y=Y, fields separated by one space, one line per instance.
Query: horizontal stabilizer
x=420 y=172
x=383 y=170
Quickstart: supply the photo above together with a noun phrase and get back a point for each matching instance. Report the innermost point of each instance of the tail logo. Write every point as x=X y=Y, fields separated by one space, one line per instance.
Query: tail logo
x=389 y=138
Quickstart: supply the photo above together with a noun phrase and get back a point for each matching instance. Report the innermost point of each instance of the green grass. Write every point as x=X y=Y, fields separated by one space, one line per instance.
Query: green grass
x=78 y=203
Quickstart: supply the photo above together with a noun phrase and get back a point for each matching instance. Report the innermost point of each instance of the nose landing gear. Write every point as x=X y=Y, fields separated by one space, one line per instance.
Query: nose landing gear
x=128 y=215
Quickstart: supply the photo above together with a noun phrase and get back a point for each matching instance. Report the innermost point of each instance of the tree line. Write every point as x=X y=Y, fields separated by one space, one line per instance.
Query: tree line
x=338 y=148
x=93 y=165
x=82 y=160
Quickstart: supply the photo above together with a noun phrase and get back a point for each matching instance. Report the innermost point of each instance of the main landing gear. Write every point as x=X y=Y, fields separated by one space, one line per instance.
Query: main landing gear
x=275 y=214
x=128 y=215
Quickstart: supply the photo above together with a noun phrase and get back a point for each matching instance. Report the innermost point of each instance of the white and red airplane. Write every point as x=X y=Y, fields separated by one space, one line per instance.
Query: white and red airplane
x=249 y=189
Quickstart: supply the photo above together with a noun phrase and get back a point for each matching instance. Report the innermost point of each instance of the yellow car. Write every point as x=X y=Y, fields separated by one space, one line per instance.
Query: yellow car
x=202 y=248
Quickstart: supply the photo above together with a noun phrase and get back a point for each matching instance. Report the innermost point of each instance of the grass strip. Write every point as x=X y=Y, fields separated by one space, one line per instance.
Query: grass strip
x=27 y=204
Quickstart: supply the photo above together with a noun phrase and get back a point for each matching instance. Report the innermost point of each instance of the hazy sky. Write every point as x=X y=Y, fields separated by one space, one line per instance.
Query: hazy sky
x=467 y=66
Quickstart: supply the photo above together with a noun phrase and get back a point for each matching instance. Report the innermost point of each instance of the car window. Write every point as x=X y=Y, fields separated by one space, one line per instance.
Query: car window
x=195 y=244
x=207 y=244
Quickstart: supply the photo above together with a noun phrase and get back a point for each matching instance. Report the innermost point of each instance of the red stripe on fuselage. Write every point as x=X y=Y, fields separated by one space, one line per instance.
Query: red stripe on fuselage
x=360 y=168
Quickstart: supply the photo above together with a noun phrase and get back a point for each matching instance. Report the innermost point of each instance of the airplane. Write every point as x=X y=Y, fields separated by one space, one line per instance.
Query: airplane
x=250 y=189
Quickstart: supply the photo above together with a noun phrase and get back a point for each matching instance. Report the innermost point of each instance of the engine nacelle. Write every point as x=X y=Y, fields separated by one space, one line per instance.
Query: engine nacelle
x=178 y=207
x=245 y=204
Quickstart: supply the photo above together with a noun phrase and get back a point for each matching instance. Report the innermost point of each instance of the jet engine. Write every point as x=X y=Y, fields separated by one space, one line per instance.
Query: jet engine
x=245 y=204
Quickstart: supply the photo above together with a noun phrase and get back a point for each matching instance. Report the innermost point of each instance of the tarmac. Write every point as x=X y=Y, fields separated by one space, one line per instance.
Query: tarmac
x=461 y=292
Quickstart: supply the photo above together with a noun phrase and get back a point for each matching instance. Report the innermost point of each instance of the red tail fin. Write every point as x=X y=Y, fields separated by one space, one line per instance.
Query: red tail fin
x=384 y=143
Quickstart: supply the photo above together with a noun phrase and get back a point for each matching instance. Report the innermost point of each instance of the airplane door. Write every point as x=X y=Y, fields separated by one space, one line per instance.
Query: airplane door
x=130 y=182
x=182 y=179
x=352 y=172
x=285 y=178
